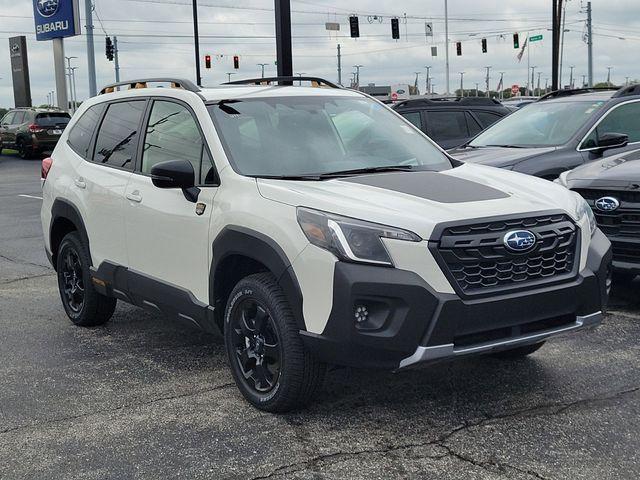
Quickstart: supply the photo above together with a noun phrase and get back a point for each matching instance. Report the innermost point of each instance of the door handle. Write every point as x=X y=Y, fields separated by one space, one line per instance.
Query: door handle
x=80 y=183
x=134 y=196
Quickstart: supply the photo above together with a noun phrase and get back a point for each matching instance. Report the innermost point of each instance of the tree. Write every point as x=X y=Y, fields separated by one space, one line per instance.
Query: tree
x=3 y=111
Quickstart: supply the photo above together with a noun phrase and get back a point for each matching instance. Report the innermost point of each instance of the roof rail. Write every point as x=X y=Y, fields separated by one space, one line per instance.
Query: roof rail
x=576 y=91
x=628 y=91
x=142 y=83
x=315 y=81
x=444 y=100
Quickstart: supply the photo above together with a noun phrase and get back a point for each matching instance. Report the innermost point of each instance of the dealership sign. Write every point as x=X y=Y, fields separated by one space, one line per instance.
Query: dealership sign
x=56 y=18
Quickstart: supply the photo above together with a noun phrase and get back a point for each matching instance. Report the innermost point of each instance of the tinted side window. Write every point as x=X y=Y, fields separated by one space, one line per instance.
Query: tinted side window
x=474 y=126
x=117 y=140
x=413 y=117
x=8 y=118
x=447 y=125
x=18 y=119
x=623 y=119
x=80 y=134
x=487 y=118
x=172 y=134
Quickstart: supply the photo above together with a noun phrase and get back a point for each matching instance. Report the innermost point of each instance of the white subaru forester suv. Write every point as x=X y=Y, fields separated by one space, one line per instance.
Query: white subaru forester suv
x=311 y=226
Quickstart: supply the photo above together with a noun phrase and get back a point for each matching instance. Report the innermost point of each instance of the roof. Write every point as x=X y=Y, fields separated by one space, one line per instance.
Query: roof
x=223 y=92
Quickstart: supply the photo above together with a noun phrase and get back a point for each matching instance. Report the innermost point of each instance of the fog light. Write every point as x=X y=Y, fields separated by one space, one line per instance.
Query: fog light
x=361 y=313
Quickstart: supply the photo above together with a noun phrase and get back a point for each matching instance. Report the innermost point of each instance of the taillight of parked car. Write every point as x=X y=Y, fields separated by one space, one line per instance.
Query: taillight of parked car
x=34 y=128
x=46 y=166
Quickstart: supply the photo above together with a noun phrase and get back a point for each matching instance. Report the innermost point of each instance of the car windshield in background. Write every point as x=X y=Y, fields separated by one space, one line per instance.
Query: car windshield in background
x=308 y=136
x=52 y=119
x=542 y=124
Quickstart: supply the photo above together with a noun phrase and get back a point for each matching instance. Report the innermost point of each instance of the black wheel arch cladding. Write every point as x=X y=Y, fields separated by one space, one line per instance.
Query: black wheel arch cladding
x=64 y=211
x=243 y=242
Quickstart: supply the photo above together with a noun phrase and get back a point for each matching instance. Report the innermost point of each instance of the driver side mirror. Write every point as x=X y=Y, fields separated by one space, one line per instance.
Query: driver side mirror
x=608 y=141
x=176 y=174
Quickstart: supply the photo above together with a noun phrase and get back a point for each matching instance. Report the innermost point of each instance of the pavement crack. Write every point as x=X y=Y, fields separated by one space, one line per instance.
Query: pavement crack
x=23 y=262
x=551 y=409
x=115 y=409
x=29 y=277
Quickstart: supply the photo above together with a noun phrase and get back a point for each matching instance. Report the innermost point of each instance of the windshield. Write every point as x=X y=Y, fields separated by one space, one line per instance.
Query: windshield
x=306 y=136
x=542 y=124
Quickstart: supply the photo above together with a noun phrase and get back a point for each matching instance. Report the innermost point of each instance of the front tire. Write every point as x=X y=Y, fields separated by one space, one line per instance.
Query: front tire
x=270 y=365
x=518 y=352
x=82 y=303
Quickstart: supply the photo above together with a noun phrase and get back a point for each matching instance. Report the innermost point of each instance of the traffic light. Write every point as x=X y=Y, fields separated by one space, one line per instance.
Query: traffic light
x=236 y=62
x=108 y=49
x=395 y=28
x=516 y=40
x=354 y=26
x=459 y=48
x=207 y=61
x=484 y=45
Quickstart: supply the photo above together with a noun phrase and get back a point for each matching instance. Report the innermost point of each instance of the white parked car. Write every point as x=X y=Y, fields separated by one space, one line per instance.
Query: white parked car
x=312 y=226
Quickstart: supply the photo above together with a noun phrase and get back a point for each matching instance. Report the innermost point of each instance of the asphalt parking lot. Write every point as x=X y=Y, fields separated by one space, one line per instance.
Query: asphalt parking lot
x=143 y=398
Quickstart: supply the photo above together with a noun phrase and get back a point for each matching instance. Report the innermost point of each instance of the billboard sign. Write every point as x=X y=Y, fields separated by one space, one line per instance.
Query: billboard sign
x=56 y=18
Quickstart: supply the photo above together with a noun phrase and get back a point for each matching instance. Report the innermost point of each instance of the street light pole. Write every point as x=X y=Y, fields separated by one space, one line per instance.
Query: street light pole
x=609 y=75
x=446 y=43
x=73 y=81
x=462 y=84
x=262 y=65
x=533 y=78
x=428 y=81
x=487 y=81
x=571 y=68
x=358 y=67
x=229 y=75
x=300 y=74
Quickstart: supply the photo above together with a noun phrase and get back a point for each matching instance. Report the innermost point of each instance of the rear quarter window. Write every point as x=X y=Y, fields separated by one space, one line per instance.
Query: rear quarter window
x=81 y=133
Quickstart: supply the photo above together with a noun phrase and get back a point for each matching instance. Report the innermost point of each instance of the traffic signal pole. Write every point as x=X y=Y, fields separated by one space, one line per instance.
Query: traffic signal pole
x=283 y=38
x=196 y=42
x=91 y=54
x=116 y=62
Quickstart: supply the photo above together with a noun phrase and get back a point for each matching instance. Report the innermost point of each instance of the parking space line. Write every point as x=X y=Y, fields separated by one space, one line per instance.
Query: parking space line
x=30 y=196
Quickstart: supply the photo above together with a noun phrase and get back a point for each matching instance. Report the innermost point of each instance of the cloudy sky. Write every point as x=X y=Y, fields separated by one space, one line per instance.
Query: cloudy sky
x=155 y=39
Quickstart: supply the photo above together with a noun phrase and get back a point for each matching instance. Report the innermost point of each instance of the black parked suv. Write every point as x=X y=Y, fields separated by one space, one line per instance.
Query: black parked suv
x=32 y=131
x=451 y=122
x=612 y=189
x=561 y=131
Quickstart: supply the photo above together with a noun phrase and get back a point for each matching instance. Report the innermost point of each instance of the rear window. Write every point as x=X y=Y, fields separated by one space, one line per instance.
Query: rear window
x=52 y=119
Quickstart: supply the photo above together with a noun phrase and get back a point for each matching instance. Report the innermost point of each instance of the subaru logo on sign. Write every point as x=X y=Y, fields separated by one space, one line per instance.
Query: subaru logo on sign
x=519 y=240
x=607 y=204
x=47 y=8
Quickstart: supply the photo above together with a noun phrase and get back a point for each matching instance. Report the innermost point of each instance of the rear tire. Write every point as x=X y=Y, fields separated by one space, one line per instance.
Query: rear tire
x=269 y=362
x=23 y=152
x=518 y=352
x=82 y=303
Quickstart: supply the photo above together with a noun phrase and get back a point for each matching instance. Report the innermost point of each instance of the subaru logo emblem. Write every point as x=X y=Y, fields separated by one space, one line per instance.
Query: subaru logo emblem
x=519 y=240
x=47 y=8
x=607 y=204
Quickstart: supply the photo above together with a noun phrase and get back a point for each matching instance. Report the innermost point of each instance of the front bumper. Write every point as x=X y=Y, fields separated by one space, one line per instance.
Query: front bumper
x=410 y=324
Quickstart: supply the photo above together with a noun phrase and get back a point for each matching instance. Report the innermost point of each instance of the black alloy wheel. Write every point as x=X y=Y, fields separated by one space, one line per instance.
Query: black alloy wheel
x=72 y=281
x=256 y=345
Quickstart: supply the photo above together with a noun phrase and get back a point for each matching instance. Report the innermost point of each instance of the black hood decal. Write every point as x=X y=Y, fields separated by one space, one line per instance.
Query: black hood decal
x=431 y=186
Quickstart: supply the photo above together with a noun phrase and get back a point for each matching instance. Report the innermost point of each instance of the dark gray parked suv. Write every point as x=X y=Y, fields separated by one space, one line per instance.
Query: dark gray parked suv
x=561 y=131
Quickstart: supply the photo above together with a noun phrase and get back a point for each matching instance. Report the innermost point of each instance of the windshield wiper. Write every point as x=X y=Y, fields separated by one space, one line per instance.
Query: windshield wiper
x=506 y=146
x=358 y=171
x=289 y=177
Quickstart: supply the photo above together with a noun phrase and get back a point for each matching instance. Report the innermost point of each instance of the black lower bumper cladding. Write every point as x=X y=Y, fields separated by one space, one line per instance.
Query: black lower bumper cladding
x=409 y=323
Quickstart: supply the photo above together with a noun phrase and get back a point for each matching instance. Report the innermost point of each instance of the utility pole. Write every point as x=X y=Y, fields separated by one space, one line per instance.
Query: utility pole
x=539 y=75
x=91 y=54
x=572 y=67
x=556 y=26
x=196 y=42
x=487 y=81
x=75 y=94
x=584 y=80
x=564 y=21
x=446 y=43
x=358 y=67
x=533 y=78
x=116 y=60
x=283 y=38
x=609 y=75
x=590 y=44
x=262 y=65
x=339 y=66
x=502 y=85
x=462 y=84
x=428 y=81
x=529 y=61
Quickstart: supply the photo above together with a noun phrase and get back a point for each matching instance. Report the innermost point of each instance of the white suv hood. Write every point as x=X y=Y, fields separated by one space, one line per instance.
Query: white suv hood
x=418 y=201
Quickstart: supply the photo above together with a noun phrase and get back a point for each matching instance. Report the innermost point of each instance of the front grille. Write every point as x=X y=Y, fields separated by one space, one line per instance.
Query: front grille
x=623 y=222
x=626 y=252
x=475 y=258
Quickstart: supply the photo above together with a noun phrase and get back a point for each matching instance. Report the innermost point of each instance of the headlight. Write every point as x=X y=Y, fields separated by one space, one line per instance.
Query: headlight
x=350 y=239
x=562 y=179
x=585 y=210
